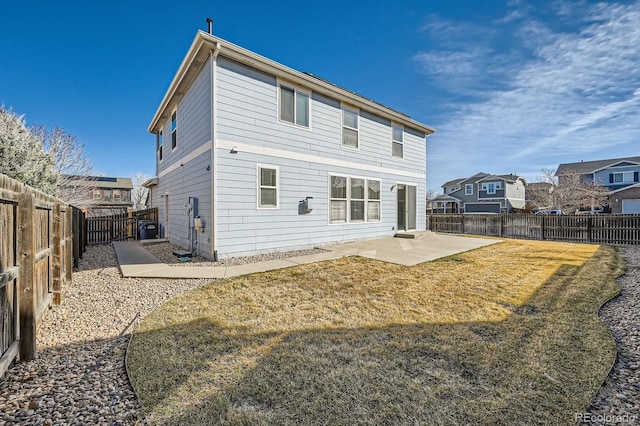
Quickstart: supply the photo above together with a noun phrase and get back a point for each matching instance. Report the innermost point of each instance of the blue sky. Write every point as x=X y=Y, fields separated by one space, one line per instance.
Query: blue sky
x=510 y=86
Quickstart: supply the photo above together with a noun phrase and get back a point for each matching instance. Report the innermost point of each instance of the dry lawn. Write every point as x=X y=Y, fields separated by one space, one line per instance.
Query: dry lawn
x=506 y=334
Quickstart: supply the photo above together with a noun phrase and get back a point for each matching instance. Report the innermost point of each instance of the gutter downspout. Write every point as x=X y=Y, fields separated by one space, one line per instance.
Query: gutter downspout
x=214 y=155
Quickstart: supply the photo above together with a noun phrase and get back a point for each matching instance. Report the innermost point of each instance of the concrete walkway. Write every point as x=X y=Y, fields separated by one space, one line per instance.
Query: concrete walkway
x=137 y=262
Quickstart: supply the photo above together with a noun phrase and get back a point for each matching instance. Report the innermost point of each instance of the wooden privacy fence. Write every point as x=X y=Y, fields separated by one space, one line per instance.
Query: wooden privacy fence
x=36 y=259
x=120 y=227
x=603 y=229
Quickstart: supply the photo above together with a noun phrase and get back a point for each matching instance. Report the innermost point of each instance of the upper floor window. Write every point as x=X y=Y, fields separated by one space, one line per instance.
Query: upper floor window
x=159 y=144
x=116 y=194
x=491 y=187
x=468 y=189
x=267 y=186
x=294 y=106
x=174 y=128
x=397 y=144
x=97 y=194
x=623 y=177
x=349 y=127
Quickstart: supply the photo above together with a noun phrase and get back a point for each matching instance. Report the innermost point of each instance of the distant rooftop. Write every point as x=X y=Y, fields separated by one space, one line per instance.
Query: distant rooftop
x=102 y=181
x=591 y=166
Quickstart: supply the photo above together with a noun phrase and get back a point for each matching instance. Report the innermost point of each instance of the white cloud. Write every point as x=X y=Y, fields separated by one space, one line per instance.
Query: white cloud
x=565 y=91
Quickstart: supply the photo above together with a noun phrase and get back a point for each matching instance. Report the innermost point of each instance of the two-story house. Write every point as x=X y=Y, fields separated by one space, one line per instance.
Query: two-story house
x=253 y=156
x=619 y=175
x=98 y=195
x=482 y=193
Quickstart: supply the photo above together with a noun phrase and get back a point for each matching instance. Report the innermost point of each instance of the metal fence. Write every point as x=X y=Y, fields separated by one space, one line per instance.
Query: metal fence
x=603 y=229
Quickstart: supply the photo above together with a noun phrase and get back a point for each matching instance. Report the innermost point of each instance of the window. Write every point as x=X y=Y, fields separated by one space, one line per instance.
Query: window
x=357 y=200
x=349 y=127
x=623 y=177
x=268 y=187
x=294 y=106
x=174 y=126
x=373 y=203
x=354 y=199
x=397 y=144
x=468 y=189
x=159 y=144
x=116 y=194
x=338 y=200
x=97 y=194
x=491 y=187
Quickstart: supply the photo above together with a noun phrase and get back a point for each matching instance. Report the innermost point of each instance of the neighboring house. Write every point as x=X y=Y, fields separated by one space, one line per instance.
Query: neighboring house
x=482 y=193
x=536 y=192
x=253 y=156
x=98 y=195
x=618 y=175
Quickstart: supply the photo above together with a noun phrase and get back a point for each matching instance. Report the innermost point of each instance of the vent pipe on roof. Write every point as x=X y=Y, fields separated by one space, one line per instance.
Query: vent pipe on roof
x=210 y=25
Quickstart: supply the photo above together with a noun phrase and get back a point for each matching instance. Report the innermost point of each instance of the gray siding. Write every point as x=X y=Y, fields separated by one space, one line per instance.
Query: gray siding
x=482 y=207
x=248 y=106
x=191 y=179
x=248 y=114
x=499 y=193
x=602 y=177
x=244 y=229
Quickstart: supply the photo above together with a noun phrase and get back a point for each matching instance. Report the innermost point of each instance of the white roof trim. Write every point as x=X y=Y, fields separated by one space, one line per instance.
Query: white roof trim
x=635 y=185
x=471 y=177
x=614 y=165
x=205 y=42
x=151 y=182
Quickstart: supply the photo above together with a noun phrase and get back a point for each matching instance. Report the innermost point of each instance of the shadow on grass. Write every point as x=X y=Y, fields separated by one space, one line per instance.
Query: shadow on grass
x=542 y=364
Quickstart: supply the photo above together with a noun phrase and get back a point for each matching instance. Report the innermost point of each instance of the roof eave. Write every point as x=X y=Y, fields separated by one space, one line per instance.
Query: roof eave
x=204 y=40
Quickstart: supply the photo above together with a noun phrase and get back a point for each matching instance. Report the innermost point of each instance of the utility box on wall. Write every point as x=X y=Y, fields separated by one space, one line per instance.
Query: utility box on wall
x=307 y=205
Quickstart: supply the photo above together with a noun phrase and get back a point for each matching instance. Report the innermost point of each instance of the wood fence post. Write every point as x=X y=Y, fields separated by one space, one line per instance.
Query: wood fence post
x=589 y=227
x=76 y=230
x=56 y=254
x=69 y=244
x=542 y=227
x=131 y=228
x=26 y=277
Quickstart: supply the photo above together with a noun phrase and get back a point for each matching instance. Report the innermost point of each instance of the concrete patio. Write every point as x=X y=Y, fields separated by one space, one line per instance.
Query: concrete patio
x=421 y=247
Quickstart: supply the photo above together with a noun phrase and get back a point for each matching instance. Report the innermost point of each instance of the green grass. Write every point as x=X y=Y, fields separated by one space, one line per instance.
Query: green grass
x=506 y=334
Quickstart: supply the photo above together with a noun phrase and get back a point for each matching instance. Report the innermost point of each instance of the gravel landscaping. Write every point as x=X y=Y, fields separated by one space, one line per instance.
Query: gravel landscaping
x=80 y=378
x=164 y=252
x=618 y=401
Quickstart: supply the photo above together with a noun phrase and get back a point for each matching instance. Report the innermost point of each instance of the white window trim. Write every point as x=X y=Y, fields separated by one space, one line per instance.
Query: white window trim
x=348 y=199
x=113 y=194
x=395 y=141
x=624 y=174
x=171 y=131
x=357 y=130
x=258 y=186
x=468 y=189
x=159 y=146
x=295 y=88
x=496 y=186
